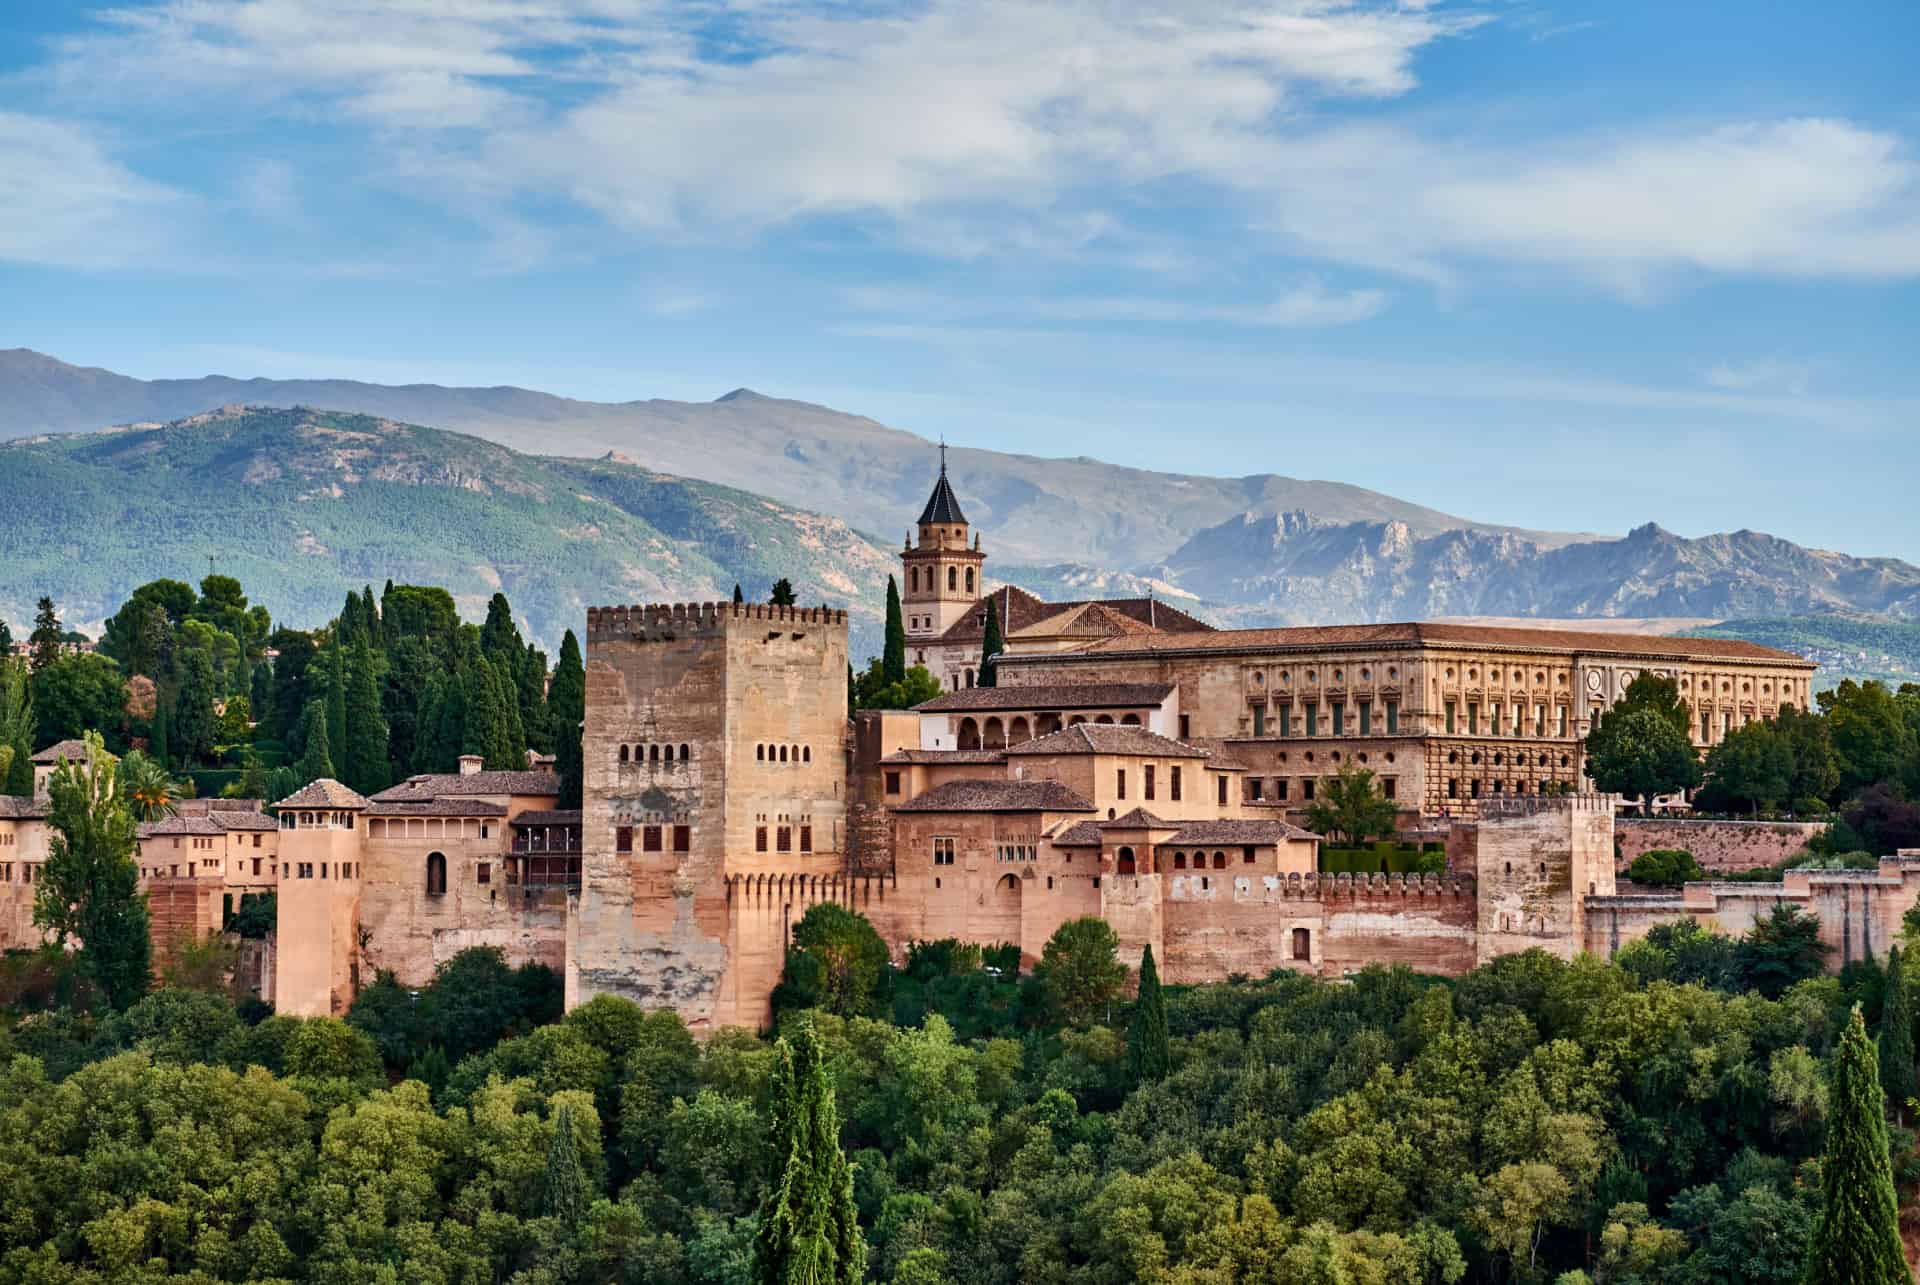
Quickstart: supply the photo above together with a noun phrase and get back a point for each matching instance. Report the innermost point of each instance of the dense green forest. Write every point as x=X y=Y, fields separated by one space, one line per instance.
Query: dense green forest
x=1856 y=647
x=303 y=505
x=1661 y=1118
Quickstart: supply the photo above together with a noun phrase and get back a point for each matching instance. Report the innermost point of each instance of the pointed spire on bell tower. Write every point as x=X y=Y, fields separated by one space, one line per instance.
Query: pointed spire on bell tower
x=943 y=574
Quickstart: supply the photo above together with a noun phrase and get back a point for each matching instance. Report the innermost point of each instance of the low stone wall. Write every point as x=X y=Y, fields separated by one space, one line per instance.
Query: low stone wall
x=1716 y=845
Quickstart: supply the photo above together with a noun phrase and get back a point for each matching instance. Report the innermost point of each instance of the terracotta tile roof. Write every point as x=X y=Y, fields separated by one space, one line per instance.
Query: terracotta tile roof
x=1021 y=611
x=178 y=825
x=1425 y=633
x=72 y=751
x=1049 y=696
x=243 y=821
x=998 y=796
x=1257 y=832
x=551 y=816
x=1220 y=753
x=1106 y=738
x=454 y=807
x=323 y=793
x=1081 y=834
x=15 y=808
x=442 y=785
x=1138 y=819
x=946 y=756
x=1087 y=620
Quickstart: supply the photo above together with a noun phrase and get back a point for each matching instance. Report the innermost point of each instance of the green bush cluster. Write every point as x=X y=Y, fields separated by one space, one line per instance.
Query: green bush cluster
x=1385 y=856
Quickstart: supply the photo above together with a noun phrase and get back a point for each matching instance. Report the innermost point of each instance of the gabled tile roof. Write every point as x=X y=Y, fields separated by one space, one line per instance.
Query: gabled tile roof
x=243 y=821
x=443 y=785
x=178 y=825
x=1049 y=696
x=1021 y=612
x=1427 y=633
x=998 y=796
x=1243 y=832
x=71 y=751
x=454 y=807
x=551 y=816
x=1107 y=738
x=15 y=808
x=1138 y=819
x=323 y=793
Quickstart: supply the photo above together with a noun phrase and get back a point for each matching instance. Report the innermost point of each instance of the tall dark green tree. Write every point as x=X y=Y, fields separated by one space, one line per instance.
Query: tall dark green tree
x=290 y=694
x=364 y=757
x=89 y=889
x=536 y=720
x=990 y=647
x=45 y=639
x=1896 y=1035
x=1856 y=1239
x=488 y=727
x=336 y=671
x=1643 y=745
x=6 y=634
x=1147 y=1056
x=349 y=628
x=893 y=658
x=160 y=739
x=317 y=762
x=566 y=1193
x=566 y=708
x=809 y=1233
x=738 y=597
x=782 y=594
x=192 y=726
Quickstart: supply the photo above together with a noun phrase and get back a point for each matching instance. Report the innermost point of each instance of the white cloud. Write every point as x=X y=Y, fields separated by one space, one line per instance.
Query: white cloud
x=1765 y=375
x=66 y=202
x=1308 y=303
x=971 y=128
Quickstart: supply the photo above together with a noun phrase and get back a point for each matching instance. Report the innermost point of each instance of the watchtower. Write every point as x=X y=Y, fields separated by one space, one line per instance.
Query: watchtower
x=943 y=570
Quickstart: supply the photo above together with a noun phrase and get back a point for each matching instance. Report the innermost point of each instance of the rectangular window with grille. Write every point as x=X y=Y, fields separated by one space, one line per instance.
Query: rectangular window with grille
x=943 y=852
x=783 y=839
x=1173 y=784
x=623 y=838
x=650 y=838
x=1393 y=717
x=806 y=838
x=682 y=838
x=1146 y=782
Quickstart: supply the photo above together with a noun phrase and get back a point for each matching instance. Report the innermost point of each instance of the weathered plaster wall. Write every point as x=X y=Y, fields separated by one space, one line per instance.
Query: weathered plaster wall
x=1716 y=845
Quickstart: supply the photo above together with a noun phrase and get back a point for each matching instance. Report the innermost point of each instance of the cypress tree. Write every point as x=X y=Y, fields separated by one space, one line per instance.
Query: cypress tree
x=20 y=772
x=337 y=695
x=566 y=1182
x=499 y=636
x=893 y=661
x=192 y=728
x=485 y=730
x=535 y=718
x=566 y=707
x=1147 y=1057
x=364 y=756
x=809 y=1233
x=1896 y=1036
x=990 y=647
x=426 y=735
x=317 y=762
x=159 y=748
x=348 y=630
x=369 y=614
x=738 y=597
x=782 y=594
x=45 y=637
x=1856 y=1238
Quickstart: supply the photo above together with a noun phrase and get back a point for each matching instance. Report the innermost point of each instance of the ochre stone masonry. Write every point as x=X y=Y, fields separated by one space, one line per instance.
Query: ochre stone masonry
x=1716 y=845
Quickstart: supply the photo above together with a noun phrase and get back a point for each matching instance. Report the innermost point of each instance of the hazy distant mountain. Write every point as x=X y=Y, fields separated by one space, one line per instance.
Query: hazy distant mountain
x=1299 y=568
x=302 y=505
x=1031 y=509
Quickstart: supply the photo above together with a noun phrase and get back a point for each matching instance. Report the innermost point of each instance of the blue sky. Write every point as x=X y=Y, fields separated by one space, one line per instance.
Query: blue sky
x=1567 y=266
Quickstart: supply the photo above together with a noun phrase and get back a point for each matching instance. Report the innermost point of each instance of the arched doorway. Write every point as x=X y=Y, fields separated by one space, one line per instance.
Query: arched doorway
x=1123 y=861
x=969 y=734
x=436 y=874
x=994 y=737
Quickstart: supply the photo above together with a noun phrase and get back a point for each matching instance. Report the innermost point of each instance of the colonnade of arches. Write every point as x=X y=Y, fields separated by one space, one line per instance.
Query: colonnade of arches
x=995 y=733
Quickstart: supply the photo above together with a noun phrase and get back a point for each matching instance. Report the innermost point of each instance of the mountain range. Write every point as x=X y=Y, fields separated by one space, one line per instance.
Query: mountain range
x=563 y=502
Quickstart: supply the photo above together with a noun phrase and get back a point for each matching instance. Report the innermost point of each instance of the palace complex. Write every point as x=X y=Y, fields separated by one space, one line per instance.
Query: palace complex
x=1131 y=763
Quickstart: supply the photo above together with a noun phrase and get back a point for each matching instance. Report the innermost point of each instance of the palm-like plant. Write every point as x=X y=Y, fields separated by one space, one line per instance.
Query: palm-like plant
x=151 y=791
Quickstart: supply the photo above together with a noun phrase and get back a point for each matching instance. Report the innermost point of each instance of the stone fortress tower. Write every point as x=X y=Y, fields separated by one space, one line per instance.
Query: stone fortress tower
x=715 y=754
x=944 y=578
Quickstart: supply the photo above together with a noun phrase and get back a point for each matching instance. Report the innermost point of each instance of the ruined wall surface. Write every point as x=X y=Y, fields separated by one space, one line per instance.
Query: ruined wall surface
x=412 y=932
x=1716 y=845
x=1134 y=906
x=180 y=911
x=1424 y=922
x=1537 y=860
x=758 y=696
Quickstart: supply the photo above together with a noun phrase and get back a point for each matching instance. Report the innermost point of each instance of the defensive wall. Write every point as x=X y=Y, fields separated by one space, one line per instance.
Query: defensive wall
x=1716 y=845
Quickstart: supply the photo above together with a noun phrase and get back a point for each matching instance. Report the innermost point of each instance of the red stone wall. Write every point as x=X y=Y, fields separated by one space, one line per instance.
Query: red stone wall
x=1716 y=845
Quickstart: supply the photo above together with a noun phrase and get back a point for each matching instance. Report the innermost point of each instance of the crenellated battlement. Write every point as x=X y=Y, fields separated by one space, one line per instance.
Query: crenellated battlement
x=1318 y=887
x=652 y=620
x=1529 y=805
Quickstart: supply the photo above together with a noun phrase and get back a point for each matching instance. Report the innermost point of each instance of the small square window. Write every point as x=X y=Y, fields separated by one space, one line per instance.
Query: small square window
x=482 y=873
x=650 y=838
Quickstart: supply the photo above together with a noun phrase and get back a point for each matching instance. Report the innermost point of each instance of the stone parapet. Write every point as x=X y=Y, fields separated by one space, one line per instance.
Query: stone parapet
x=675 y=618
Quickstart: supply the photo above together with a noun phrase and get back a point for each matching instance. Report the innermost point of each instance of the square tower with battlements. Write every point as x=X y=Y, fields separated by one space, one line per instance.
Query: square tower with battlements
x=714 y=753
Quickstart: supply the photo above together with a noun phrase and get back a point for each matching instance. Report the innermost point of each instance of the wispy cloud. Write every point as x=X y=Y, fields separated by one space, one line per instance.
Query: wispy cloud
x=1766 y=375
x=65 y=201
x=1308 y=303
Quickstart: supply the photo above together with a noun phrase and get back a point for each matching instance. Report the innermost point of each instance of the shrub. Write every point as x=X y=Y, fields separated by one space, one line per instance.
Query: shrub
x=1665 y=866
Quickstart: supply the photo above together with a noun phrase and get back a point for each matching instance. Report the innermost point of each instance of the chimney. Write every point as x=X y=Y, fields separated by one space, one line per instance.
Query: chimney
x=470 y=764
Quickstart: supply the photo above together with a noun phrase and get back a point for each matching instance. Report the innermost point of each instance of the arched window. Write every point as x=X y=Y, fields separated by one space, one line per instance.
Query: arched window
x=913 y=578
x=953 y=577
x=806 y=753
x=1179 y=861
x=1219 y=861
x=653 y=753
x=969 y=734
x=783 y=753
x=685 y=753
x=1105 y=720
x=969 y=579
x=623 y=754
x=1124 y=859
x=1129 y=720
x=436 y=874
x=760 y=753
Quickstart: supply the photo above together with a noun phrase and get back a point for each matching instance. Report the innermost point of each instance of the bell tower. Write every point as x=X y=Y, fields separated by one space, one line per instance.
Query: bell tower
x=943 y=577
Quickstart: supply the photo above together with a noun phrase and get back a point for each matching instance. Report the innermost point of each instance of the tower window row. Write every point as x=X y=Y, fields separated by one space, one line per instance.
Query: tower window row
x=656 y=753
x=783 y=754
